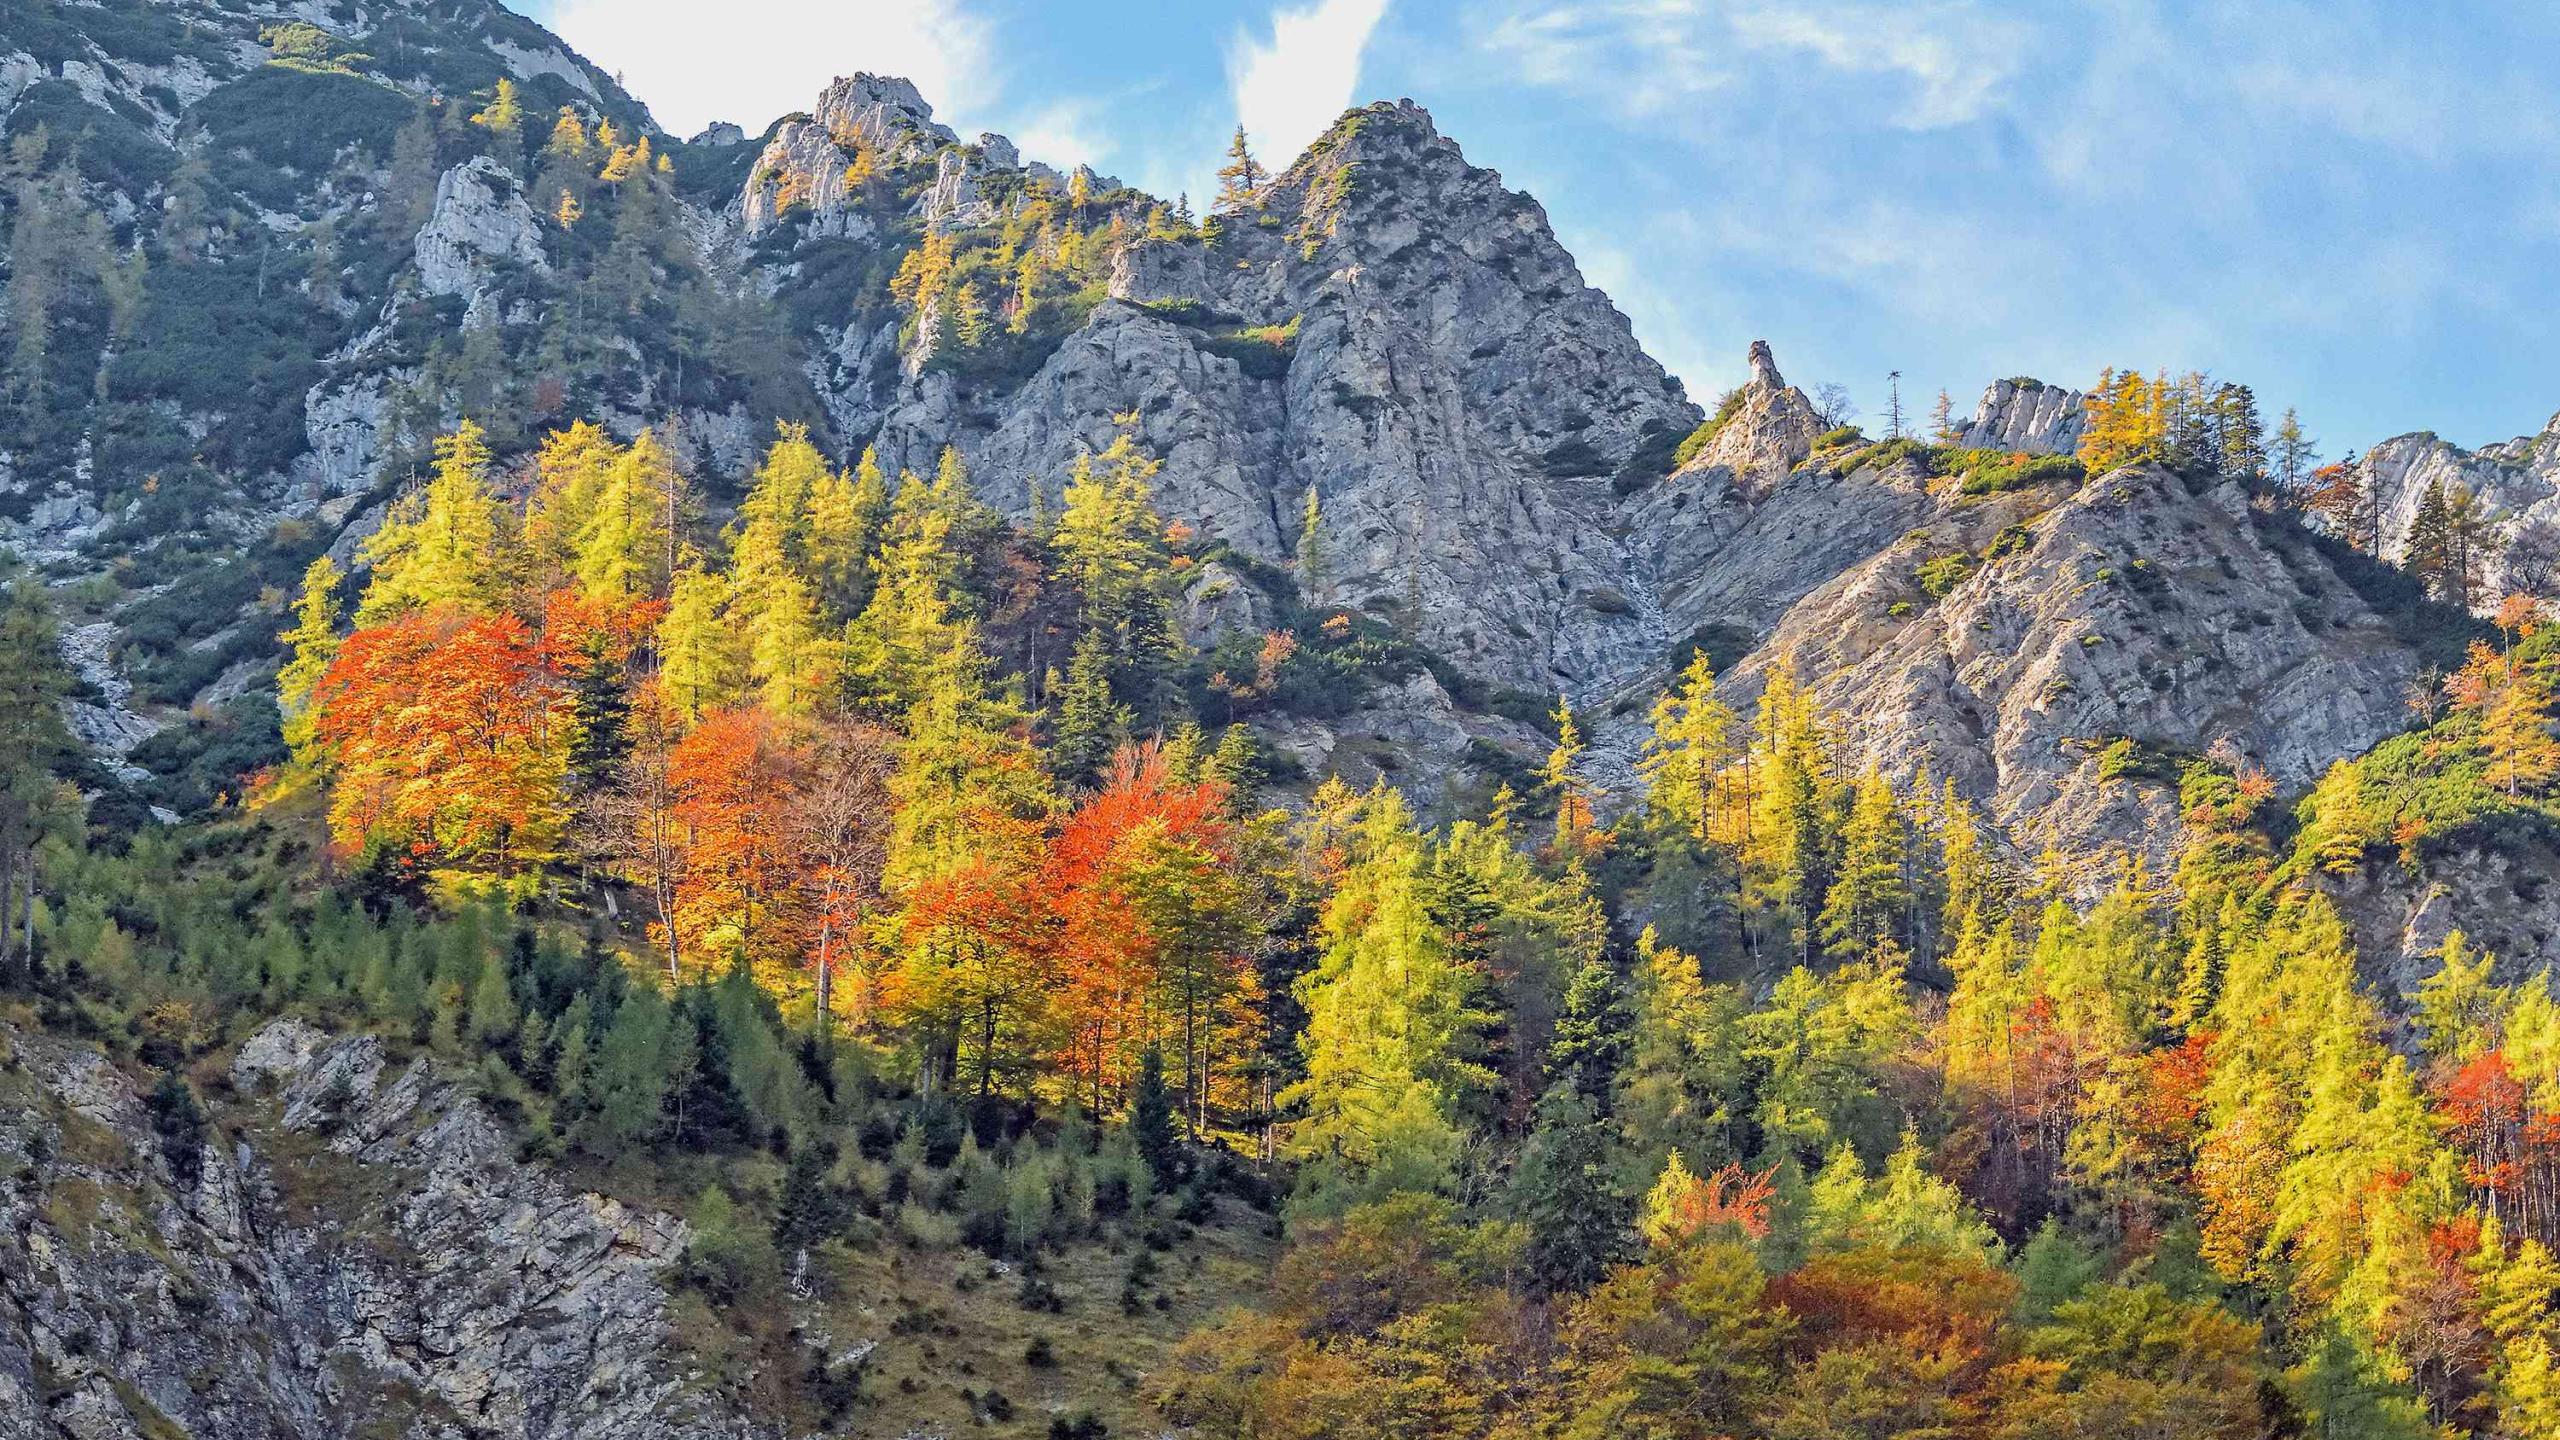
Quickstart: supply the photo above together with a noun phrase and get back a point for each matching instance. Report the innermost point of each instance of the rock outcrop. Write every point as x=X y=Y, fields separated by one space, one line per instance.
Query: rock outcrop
x=480 y=221
x=2499 y=887
x=2516 y=481
x=2026 y=416
x=2129 y=609
x=363 y=1256
x=1762 y=431
x=805 y=165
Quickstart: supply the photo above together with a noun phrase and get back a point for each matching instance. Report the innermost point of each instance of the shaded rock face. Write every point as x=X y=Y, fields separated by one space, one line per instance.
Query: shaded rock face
x=2516 y=480
x=57 y=522
x=2502 y=891
x=2130 y=609
x=346 y=422
x=1412 y=736
x=1740 y=532
x=1733 y=563
x=106 y=725
x=367 y=1258
x=1223 y=437
x=2026 y=416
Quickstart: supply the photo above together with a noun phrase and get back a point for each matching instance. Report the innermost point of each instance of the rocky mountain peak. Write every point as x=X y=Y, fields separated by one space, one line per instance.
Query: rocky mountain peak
x=1372 y=129
x=878 y=111
x=804 y=168
x=1388 y=325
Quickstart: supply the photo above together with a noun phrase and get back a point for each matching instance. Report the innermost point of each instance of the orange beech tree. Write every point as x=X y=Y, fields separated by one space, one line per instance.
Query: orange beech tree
x=734 y=780
x=839 y=825
x=1140 y=878
x=445 y=733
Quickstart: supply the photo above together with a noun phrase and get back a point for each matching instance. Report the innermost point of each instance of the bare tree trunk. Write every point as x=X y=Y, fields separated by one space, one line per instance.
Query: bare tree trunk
x=8 y=895
x=826 y=981
x=667 y=918
x=1190 y=1062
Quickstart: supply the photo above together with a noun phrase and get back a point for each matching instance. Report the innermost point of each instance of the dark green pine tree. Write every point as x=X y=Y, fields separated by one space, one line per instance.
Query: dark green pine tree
x=1152 y=1126
x=812 y=1208
x=600 y=713
x=1579 y=1223
x=1869 y=895
x=1563 y=1188
x=1090 y=724
x=34 y=744
x=179 y=1120
x=2344 y=1393
x=1590 y=1043
x=2052 y=1268
x=2429 y=554
x=2195 y=445
x=2243 y=436
x=645 y=1055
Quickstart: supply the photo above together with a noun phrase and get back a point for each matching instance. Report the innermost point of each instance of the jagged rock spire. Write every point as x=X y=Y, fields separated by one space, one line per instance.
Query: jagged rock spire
x=1764 y=367
x=1762 y=430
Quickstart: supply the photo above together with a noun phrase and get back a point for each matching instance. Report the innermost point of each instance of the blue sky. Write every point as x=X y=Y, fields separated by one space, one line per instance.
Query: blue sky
x=2352 y=205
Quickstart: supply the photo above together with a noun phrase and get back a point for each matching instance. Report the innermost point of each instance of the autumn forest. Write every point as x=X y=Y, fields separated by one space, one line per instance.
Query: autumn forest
x=1034 y=952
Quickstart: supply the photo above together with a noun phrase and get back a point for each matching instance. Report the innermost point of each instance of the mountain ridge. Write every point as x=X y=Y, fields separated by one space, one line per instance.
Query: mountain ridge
x=1386 y=327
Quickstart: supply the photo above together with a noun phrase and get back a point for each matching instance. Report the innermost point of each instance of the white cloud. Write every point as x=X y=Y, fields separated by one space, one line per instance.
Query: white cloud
x=758 y=59
x=1289 y=87
x=1642 y=58
x=1656 y=58
x=1940 y=48
x=1065 y=134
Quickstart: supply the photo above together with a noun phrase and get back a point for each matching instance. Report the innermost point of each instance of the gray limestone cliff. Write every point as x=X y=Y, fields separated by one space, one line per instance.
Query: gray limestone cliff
x=2517 y=482
x=479 y=222
x=355 y=1252
x=2026 y=416
x=1468 y=410
x=2127 y=608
